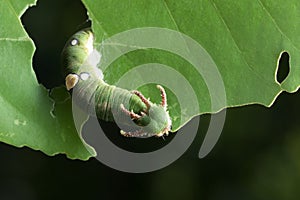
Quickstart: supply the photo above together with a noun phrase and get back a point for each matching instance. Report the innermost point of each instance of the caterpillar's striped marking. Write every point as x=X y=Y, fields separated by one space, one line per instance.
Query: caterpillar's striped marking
x=151 y=119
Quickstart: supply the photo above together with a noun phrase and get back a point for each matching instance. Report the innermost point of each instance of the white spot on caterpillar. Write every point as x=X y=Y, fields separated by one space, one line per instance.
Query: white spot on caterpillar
x=89 y=44
x=74 y=42
x=19 y=122
x=94 y=58
x=84 y=76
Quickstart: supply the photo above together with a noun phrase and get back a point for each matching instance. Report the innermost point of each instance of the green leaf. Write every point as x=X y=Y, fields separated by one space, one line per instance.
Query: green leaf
x=26 y=118
x=244 y=38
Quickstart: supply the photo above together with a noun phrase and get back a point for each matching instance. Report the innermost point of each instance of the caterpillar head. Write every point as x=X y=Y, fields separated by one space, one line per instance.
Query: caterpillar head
x=156 y=116
x=75 y=53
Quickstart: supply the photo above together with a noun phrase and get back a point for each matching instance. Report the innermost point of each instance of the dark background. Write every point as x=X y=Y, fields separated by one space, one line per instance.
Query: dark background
x=256 y=157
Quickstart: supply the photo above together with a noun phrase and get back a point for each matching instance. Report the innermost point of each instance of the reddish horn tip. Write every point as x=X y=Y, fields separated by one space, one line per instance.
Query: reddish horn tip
x=143 y=98
x=163 y=96
x=131 y=114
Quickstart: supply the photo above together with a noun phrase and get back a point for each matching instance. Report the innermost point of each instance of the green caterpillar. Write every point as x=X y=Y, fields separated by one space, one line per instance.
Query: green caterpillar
x=149 y=119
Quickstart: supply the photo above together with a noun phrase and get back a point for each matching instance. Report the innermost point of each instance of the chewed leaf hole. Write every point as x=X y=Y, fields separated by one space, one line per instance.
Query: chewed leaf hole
x=283 y=67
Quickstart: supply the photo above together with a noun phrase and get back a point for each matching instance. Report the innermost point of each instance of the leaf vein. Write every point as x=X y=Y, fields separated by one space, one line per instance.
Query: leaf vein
x=235 y=43
x=276 y=25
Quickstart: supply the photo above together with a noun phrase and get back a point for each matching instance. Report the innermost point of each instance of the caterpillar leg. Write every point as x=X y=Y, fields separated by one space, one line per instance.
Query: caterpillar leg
x=141 y=133
x=138 y=133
